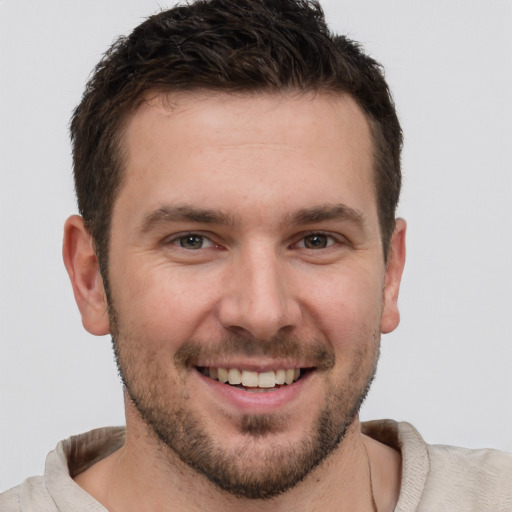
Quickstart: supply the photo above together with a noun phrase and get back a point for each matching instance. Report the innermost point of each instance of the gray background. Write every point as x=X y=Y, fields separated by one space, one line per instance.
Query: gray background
x=447 y=367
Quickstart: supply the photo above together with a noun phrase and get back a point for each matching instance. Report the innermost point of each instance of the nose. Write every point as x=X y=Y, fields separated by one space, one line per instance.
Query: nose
x=258 y=296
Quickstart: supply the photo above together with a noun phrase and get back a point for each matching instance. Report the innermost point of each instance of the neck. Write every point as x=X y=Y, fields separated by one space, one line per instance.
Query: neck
x=144 y=477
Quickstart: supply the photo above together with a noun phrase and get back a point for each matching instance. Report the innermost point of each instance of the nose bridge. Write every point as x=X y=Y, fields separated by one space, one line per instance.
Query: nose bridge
x=258 y=298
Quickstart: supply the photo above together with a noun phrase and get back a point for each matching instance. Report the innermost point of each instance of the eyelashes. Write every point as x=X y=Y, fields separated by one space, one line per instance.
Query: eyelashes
x=316 y=241
x=192 y=241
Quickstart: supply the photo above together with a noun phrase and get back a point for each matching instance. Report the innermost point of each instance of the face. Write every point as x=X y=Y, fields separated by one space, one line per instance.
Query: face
x=247 y=282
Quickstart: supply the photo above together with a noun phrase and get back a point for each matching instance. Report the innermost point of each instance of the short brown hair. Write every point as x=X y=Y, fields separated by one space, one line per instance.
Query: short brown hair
x=229 y=46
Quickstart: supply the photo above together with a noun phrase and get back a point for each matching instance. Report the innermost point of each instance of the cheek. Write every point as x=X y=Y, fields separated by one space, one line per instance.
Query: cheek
x=347 y=308
x=164 y=302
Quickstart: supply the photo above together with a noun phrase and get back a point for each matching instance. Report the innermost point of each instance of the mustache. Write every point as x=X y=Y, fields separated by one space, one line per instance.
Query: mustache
x=281 y=346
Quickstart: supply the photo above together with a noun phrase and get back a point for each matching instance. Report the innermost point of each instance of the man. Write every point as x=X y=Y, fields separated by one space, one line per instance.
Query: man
x=237 y=170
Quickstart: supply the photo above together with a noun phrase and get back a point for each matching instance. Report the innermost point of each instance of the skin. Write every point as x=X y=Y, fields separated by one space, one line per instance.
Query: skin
x=262 y=164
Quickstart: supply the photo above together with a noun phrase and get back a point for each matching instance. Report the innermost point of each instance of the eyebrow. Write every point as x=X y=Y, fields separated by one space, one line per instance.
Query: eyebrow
x=166 y=214
x=338 y=212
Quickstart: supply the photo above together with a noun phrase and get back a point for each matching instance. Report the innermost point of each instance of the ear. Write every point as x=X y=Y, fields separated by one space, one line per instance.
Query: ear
x=394 y=268
x=83 y=269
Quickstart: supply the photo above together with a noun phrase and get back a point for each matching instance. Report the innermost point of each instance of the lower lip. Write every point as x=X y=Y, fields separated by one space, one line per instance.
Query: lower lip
x=255 y=402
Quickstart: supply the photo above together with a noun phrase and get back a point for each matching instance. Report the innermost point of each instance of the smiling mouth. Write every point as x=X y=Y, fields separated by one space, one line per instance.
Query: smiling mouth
x=254 y=381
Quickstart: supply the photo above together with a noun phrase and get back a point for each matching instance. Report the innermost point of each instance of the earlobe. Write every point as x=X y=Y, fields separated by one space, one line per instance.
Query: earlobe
x=394 y=268
x=83 y=270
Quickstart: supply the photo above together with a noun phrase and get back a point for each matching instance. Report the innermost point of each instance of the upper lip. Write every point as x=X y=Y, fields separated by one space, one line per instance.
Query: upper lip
x=255 y=366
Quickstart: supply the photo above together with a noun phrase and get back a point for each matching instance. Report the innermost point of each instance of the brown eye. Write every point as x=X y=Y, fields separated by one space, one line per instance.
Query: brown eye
x=316 y=241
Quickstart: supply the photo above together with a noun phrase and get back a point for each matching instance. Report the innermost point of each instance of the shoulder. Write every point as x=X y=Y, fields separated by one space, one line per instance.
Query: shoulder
x=56 y=490
x=481 y=479
x=437 y=477
x=32 y=490
x=10 y=500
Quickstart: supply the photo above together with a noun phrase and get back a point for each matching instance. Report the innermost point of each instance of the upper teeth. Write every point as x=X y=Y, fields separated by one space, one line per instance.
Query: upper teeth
x=254 y=379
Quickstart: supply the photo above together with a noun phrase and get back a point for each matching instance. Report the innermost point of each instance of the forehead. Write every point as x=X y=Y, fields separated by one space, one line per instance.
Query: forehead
x=220 y=148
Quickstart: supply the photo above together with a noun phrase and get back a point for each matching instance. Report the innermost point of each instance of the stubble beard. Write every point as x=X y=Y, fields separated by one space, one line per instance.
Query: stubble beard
x=270 y=469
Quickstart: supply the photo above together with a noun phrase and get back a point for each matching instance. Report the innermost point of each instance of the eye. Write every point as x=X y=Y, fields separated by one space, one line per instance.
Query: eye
x=192 y=241
x=316 y=241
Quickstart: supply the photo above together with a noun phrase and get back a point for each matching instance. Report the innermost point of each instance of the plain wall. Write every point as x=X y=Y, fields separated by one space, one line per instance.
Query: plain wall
x=447 y=367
